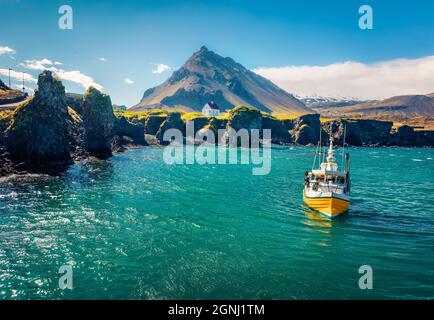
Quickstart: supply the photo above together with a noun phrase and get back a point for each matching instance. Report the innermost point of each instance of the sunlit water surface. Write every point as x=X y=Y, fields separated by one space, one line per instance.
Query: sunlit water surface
x=134 y=227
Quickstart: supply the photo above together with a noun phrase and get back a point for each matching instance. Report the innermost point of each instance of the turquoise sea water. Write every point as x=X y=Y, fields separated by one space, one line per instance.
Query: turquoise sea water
x=136 y=228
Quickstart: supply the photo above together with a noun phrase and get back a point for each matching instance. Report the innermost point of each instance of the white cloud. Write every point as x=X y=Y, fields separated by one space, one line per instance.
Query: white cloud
x=79 y=78
x=43 y=64
x=20 y=87
x=160 y=68
x=74 y=76
x=354 y=79
x=102 y=59
x=18 y=75
x=6 y=50
x=129 y=81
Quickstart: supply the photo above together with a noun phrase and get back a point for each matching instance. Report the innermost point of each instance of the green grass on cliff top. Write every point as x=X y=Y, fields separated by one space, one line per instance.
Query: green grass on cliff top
x=142 y=115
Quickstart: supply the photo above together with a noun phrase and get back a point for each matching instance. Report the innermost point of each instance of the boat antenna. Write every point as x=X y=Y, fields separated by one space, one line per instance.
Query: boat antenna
x=320 y=147
x=343 y=146
x=316 y=153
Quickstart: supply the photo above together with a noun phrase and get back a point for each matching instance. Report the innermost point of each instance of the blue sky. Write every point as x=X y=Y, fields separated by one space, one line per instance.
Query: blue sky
x=134 y=37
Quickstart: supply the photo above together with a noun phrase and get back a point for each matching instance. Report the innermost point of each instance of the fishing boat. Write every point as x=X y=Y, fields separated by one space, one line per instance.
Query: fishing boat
x=327 y=189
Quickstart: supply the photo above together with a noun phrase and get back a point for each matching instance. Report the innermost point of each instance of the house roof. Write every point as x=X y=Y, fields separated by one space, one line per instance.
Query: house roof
x=213 y=105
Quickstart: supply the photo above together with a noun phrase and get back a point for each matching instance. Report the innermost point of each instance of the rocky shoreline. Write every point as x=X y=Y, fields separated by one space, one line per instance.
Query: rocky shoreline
x=52 y=130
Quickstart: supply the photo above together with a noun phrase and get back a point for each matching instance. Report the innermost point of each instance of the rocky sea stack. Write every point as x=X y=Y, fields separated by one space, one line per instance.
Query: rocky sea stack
x=38 y=134
x=50 y=131
x=98 y=123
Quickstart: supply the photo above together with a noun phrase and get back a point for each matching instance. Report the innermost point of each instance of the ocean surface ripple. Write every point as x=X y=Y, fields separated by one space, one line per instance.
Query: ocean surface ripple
x=134 y=227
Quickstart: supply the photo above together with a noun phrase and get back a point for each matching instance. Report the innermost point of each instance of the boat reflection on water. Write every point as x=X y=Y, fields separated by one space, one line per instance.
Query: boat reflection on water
x=316 y=219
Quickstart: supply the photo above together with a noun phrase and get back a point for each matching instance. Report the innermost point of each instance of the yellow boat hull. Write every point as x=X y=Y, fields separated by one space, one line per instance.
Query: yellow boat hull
x=329 y=206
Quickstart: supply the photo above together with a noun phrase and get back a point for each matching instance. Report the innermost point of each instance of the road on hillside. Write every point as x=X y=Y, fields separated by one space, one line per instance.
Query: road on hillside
x=10 y=106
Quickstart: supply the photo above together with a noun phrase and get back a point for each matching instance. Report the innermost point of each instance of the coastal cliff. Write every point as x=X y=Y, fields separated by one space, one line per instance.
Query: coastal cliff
x=302 y=130
x=46 y=134
x=53 y=129
x=38 y=134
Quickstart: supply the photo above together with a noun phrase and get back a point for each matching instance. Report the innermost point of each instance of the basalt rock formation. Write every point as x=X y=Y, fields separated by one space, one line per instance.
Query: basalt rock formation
x=374 y=133
x=38 y=135
x=76 y=102
x=127 y=132
x=153 y=123
x=48 y=132
x=98 y=123
x=280 y=130
x=305 y=130
x=173 y=121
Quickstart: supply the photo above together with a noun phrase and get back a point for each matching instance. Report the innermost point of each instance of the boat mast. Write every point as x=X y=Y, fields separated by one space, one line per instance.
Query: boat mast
x=320 y=147
x=343 y=145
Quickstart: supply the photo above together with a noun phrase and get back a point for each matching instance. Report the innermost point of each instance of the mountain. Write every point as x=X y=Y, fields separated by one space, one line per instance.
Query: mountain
x=206 y=77
x=316 y=102
x=408 y=105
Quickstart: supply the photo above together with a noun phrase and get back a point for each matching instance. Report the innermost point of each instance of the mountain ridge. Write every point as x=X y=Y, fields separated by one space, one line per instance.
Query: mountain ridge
x=403 y=105
x=207 y=76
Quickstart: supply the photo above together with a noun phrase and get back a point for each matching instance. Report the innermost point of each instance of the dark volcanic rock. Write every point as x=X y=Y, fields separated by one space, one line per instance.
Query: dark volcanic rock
x=217 y=124
x=375 y=133
x=199 y=123
x=6 y=166
x=76 y=135
x=38 y=135
x=243 y=117
x=406 y=136
x=98 y=123
x=427 y=138
x=153 y=123
x=126 y=129
x=307 y=129
x=76 y=102
x=173 y=121
x=279 y=130
x=360 y=132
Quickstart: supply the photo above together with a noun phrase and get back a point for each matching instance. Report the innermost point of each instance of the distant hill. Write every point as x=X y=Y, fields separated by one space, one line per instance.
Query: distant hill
x=10 y=96
x=404 y=106
x=3 y=86
x=206 y=76
x=317 y=102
